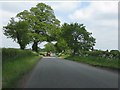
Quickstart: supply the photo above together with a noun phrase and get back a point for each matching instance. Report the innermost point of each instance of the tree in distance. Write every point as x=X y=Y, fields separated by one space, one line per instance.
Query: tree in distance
x=49 y=47
x=43 y=23
x=61 y=45
x=18 y=31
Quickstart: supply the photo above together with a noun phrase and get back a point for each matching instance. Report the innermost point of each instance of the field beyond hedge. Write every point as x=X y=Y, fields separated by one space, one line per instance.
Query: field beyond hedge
x=16 y=63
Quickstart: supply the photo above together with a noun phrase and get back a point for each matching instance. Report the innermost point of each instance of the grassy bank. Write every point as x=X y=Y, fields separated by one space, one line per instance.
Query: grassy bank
x=14 y=67
x=96 y=61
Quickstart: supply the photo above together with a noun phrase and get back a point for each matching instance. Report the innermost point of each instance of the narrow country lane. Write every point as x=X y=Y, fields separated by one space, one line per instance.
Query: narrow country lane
x=58 y=73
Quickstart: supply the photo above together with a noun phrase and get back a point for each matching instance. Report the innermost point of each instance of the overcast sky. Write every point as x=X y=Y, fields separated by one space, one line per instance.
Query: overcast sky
x=99 y=17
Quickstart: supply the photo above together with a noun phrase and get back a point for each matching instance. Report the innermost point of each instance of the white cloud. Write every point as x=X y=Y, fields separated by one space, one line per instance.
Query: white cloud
x=16 y=7
x=60 y=19
x=65 y=7
x=101 y=18
x=6 y=16
x=105 y=6
x=94 y=10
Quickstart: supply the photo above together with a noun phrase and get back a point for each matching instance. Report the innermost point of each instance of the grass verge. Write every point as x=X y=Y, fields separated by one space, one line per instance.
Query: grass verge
x=13 y=70
x=96 y=61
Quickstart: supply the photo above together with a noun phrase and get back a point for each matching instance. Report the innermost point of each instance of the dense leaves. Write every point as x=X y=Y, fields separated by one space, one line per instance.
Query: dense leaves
x=18 y=31
x=61 y=45
x=43 y=23
x=40 y=24
x=113 y=54
x=12 y=54
x=49 y=47
x=77 y=37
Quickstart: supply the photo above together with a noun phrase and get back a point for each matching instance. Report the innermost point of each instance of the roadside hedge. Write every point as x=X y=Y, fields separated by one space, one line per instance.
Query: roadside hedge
x=11 y=53
x=113 y=54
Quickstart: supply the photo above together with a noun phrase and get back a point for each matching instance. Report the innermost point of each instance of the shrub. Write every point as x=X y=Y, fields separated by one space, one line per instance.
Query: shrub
x=113 y=54
x=11 y=54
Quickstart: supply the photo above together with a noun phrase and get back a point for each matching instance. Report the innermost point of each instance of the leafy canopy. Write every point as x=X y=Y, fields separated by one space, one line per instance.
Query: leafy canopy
x=42 y=23
x=18 y=31
x=42 y=20
x=77 y=37
x=49 y=47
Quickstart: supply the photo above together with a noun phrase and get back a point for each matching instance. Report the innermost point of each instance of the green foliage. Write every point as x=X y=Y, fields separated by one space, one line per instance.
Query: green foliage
x=16 y=63
x=113 y=54
x=11 y=54
x=97 y=58
x=18 y=31
x=40 y=24
x=42 y=53
x=43 y=23
x=62 y=55
x=96 y=61
x=77 y=37
x=49 y=47
x=61 y=45
x=14 y=70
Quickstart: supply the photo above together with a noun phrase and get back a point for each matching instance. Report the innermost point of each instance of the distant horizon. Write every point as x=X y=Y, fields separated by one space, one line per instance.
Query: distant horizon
x=100 y=18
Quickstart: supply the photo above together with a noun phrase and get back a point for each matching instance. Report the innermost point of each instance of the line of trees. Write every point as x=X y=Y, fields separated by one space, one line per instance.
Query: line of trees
x=39 y=24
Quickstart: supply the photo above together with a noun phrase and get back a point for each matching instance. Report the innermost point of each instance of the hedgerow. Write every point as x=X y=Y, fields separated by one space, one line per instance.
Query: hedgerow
x=11 y=53
x=113 y=54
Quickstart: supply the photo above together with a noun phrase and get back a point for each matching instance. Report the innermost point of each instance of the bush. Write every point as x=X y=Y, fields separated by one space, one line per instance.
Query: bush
x=16 y=63
x=113 y=54
x=42 y=53
x=96 y=61
x=11 y=54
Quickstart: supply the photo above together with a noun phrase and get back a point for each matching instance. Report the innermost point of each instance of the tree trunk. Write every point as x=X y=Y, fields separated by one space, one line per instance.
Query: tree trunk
x=22 y=47
x=74 y=52
x=35 y=46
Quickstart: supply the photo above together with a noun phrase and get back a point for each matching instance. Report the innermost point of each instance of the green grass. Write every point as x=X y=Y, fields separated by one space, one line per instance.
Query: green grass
x=13 y=71
x=96 y=61
x=13 y=68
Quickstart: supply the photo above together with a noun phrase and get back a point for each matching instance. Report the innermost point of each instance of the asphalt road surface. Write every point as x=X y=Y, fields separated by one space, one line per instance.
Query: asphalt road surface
x=58 y=73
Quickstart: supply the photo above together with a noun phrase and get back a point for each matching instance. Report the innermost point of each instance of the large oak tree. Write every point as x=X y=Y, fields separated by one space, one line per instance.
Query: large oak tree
x=43 y=23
